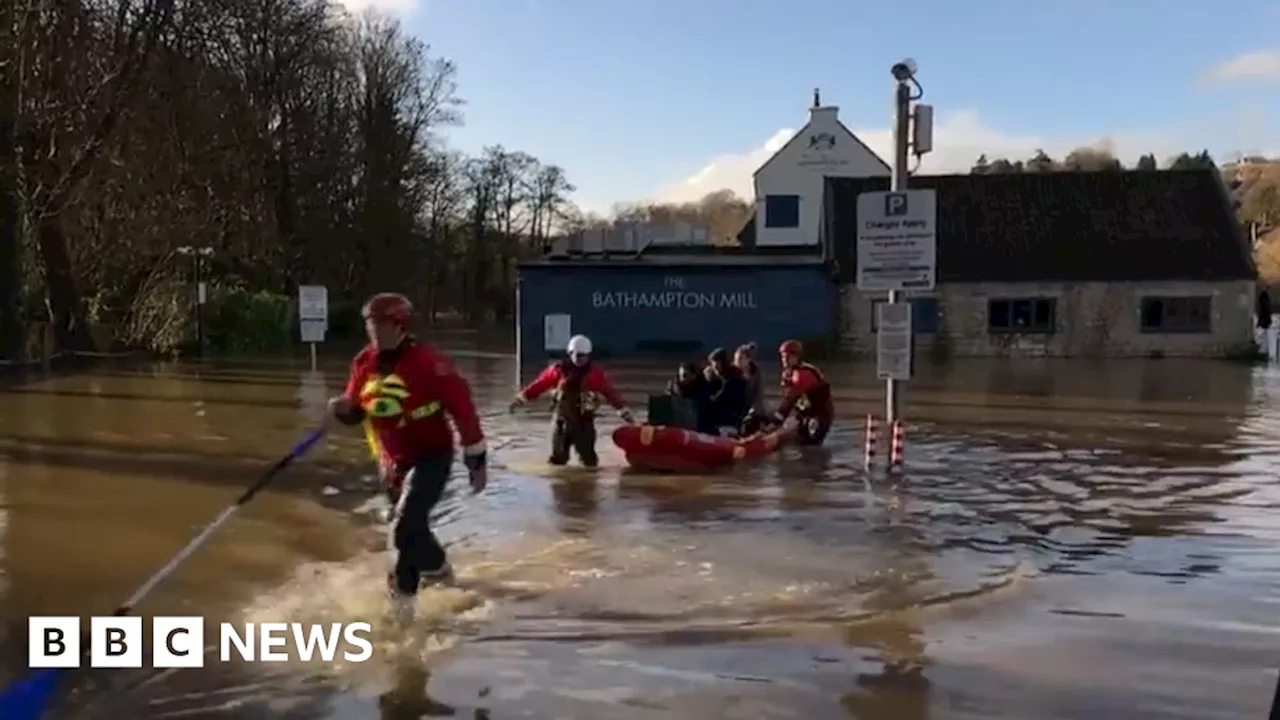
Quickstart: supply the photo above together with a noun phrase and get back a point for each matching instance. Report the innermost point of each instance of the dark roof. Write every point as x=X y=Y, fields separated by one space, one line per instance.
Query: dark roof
x=669 y=255
x=1067 y=226
x=667 y=261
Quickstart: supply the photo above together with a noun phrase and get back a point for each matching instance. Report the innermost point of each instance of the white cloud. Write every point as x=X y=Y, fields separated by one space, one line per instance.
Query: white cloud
x=390 y=7
x=1259 y=65
x=958 y=139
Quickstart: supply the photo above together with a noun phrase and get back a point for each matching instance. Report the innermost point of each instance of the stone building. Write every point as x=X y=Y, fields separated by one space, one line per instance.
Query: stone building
x=1066 y=264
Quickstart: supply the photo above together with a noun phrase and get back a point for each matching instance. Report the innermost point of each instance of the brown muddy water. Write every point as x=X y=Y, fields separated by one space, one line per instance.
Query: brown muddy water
x=1068 y=541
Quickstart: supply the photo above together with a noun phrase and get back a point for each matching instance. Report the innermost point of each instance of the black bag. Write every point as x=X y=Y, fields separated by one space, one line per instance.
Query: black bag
x=672 y=411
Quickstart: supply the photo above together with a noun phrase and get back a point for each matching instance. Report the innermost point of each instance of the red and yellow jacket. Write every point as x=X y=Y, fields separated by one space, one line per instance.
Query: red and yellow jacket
x=805 y=390
x=405 y=394
x=594 y=384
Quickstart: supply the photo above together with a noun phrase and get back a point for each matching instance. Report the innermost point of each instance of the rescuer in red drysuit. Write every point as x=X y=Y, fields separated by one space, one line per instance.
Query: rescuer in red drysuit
x=578 y=386
x=403 y=389
x=806 y=393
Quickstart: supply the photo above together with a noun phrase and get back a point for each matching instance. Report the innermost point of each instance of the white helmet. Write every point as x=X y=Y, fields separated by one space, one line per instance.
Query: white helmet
x=579 y=345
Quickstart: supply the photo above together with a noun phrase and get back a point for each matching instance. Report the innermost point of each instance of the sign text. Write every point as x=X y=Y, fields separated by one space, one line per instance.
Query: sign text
x=675 y=300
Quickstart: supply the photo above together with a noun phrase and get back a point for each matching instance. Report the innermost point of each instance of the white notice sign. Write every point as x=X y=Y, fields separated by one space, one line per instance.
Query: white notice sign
x=893 y=341
x=313 y=302
x=897 y=240
x=313 y=330
x=556 y=330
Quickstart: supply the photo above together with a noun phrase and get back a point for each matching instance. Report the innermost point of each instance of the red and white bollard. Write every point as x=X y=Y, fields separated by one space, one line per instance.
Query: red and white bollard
x=869 y=442
x=897 y=446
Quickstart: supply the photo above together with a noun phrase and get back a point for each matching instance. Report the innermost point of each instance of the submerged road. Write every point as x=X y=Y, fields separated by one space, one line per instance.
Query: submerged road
x=1069 y=540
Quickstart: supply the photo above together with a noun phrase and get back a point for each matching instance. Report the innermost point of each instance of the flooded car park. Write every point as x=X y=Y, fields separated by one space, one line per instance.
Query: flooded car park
x=1067 y=540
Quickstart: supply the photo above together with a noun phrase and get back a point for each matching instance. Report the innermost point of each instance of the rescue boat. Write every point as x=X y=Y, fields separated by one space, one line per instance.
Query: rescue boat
x=670 y=449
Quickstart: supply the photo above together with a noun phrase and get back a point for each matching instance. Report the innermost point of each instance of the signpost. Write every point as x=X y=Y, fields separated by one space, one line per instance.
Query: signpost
x=894 y=341
x=313 y=316
x=897 y=240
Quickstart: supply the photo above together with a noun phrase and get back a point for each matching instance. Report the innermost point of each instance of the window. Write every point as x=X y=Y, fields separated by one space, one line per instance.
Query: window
x=1177 y=314
x=924 y=314
x=782 y=211
x=1022 y=315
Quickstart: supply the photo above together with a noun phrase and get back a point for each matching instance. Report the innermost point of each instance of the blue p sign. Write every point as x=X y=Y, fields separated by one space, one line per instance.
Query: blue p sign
x=895 y=204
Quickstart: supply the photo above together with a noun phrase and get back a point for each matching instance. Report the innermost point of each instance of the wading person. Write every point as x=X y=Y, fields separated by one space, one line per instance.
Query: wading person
x=578 y=385
x=406 y=392
x=806 y=394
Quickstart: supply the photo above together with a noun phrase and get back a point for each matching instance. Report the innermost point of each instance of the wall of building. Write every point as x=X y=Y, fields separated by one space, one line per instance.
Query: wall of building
x=1091 y=320
x=823 y=148
x=635 y=309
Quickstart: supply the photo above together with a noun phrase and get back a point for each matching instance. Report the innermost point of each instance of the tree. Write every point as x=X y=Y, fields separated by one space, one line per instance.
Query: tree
x=1041 y=162
x=1001 y=166
x=721 y=213
x=297 y=142
x=1185 y=161
x=1090 y=160
x=1147 y=163
x=981 y=167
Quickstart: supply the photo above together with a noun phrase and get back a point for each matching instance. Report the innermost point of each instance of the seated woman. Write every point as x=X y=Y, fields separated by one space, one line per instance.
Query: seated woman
x=757 y=414
x=729 y=390
x=691 y=385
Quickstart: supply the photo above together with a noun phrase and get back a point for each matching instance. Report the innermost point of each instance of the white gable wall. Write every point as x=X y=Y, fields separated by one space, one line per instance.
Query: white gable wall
x=824 y=148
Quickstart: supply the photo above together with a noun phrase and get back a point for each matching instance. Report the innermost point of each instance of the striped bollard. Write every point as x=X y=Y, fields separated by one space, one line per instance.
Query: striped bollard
x=897 y=446
x=869 y=442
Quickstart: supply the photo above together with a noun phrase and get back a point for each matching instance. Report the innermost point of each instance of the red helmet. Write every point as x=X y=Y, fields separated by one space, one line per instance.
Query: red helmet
x=391 y=307
x=791 y=347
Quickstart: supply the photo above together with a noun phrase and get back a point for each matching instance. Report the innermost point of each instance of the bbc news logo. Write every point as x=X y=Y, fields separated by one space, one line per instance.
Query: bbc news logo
x=178 y=642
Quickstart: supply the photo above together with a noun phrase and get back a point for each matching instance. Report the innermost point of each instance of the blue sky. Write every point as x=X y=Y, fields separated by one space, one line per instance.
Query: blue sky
x=633 y=99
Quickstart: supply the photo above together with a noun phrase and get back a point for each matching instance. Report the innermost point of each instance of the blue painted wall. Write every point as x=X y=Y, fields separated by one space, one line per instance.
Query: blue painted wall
x=680 y=310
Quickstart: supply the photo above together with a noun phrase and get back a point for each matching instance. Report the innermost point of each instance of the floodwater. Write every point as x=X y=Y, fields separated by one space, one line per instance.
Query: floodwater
x=1068 y=540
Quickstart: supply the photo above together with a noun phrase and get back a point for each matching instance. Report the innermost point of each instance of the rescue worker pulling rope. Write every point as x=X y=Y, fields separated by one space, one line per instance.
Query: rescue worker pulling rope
x=577 y=385
x=403 y=389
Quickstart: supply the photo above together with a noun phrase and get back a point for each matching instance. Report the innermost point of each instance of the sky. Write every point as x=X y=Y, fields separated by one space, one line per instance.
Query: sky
x=670 y=99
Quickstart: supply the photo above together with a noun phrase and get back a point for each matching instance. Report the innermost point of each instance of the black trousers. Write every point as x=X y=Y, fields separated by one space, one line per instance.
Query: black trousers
x=813 y=429
x=418 y=551
x=578 y=436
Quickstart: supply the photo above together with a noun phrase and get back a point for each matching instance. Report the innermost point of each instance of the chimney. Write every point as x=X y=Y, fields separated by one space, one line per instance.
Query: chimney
x=822 y=114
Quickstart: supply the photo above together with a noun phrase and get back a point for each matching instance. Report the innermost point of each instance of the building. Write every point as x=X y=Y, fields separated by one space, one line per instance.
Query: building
x=1067 y=264
x=630 y=236
x=678 y=302
x=789 y=185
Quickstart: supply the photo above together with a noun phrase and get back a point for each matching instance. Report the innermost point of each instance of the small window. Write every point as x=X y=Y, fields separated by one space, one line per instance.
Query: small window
x=1022 y=315
x=1177 y=314
x=782 y=211
x=924 y=314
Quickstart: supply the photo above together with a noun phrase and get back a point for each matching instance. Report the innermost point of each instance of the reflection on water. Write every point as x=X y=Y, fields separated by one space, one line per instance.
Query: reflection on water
x=1068 y=541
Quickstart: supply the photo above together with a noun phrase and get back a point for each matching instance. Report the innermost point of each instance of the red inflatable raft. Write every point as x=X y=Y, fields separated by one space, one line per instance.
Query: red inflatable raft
x=669 y=449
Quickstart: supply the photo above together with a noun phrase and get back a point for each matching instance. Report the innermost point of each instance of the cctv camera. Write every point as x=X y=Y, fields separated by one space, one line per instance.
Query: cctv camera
x=904 y=70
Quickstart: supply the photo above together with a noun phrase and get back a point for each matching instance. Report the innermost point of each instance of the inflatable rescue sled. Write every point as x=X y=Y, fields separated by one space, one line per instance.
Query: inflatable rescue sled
x=667 y=443
x=672 y=449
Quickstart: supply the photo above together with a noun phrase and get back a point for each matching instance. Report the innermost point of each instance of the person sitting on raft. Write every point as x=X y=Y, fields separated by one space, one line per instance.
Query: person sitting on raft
x=577 y=385
x=729 y=391
x=806 y=394
x=757 y=414
x=690 y=384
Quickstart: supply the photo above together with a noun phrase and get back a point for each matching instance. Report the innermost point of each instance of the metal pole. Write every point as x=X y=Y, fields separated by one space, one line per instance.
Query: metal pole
x=199 y=306
x=313 y=356
x=898 y=182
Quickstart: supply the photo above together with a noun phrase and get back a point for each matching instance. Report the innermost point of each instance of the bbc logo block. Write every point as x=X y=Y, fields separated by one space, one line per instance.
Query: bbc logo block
x=178 y=642
x=54 y=642
x=115 y=642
